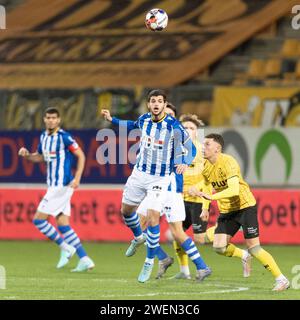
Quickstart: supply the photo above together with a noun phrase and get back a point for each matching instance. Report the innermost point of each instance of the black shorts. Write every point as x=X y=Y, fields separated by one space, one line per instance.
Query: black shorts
x=192 y=217
x=230 y=223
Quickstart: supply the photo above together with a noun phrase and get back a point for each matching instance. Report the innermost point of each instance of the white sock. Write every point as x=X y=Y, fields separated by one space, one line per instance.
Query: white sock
x=85 y=258
x=150 y=261
x=139 y=238
x=245 y=254
x=281 y=277
x=185 y=270
x=65 y=246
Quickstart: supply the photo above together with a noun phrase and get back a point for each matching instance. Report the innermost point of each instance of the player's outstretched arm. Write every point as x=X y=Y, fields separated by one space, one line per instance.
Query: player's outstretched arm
x=34 y=157
x=80 y=167
x=232 y=190
x=123 y=123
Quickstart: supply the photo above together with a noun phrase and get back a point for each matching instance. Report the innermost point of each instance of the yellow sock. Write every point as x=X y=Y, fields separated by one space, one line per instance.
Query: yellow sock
x=266 y=259
x=209 y=235
x=182 y=257
x=233 y=251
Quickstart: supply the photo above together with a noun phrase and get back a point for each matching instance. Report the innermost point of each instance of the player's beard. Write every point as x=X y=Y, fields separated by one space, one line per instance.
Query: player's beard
x=157 y=116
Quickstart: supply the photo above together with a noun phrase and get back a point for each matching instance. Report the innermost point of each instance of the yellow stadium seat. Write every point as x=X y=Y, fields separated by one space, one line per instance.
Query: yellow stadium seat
x=290 y=48
x=256 y=69
x=272 y=68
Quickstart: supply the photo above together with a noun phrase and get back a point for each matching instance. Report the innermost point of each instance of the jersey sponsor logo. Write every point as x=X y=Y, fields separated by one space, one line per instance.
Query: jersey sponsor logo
x=219 y=184
x=153 y=144
x=49 y=156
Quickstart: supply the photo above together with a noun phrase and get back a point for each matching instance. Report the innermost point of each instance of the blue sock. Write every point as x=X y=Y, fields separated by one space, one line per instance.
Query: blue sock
x=48 y=230
x=189 y=247
x=152 y=241
x=133 y=222
x=160 y=253
x=72 y=239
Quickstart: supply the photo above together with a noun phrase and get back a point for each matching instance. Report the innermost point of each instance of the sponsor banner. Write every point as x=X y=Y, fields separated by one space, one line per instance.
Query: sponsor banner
x=96 y=215
x=256 y=106
x=268 y=157
x=14 y=169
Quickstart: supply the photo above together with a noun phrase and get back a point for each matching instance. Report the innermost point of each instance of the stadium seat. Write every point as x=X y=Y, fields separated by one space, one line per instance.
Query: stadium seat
x=256 y=69
x=272 y=68
x=290 y=48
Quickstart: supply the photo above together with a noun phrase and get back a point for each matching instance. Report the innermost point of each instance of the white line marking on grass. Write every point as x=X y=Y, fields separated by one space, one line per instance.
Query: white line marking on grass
x=223 y=288
x=238 y=289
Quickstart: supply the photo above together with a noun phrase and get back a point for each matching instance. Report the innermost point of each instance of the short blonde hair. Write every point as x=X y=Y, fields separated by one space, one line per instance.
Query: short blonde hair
x=192 y=118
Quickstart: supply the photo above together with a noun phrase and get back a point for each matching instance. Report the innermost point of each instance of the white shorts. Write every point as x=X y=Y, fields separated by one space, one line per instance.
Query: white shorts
x=140 y=185
x=57 y=200
x=173 y=208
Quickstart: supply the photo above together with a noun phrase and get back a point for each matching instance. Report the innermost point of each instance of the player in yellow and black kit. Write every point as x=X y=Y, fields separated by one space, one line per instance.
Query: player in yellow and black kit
x=193 y=180
x=237 y=207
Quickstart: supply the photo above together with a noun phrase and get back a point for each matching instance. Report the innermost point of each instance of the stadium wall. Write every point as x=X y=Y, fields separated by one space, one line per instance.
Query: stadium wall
x=96 y=215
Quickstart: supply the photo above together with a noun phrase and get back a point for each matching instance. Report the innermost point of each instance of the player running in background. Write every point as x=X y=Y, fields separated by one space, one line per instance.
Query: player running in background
x=164 y=145
x=237 y=207
x=193 y=178
x=56 y=148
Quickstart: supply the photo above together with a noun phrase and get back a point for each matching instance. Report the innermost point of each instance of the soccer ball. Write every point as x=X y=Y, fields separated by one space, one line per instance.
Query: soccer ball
x=156 y=20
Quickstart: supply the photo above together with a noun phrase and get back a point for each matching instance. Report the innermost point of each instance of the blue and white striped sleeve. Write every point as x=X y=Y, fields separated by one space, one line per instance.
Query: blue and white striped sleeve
x=126 y=123
x=184 y=149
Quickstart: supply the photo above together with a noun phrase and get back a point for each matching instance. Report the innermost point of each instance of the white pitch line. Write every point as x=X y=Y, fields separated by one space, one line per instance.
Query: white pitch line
x=152 y=294
x=176 y=293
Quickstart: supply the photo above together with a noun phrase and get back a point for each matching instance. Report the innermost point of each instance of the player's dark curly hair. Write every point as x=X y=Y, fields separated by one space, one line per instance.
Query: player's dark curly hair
x=157 y=92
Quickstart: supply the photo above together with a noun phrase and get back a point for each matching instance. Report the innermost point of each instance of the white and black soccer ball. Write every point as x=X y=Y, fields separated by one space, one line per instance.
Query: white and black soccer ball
x=156 y=19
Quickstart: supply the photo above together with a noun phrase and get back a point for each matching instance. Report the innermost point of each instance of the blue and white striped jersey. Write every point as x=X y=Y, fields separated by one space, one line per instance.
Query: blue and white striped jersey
x=163 y=144
x=176 y=184
x=57 y=151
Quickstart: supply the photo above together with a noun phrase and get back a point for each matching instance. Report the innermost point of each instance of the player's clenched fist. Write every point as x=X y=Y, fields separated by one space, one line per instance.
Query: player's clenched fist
x=23 y=152
x=106 y=114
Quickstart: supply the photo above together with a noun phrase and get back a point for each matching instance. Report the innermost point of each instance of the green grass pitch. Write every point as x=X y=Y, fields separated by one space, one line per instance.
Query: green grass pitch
x=31 y=274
